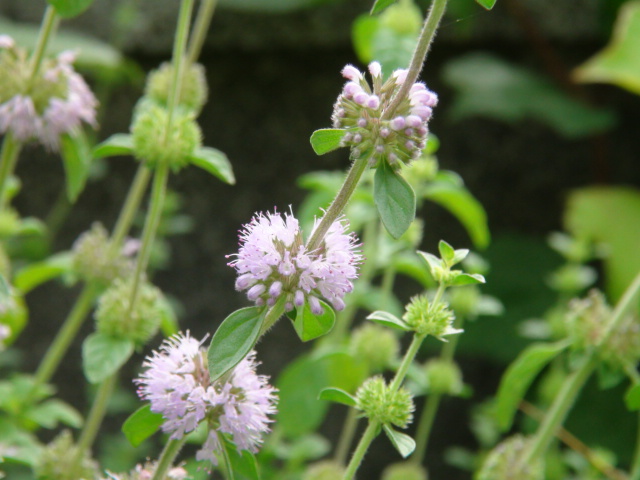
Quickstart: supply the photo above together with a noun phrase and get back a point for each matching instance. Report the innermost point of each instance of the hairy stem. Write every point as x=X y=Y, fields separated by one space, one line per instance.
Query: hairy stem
x=346 y=436
x=363 y=445
x=199 y=33
x=167 y=457
x=48 y=26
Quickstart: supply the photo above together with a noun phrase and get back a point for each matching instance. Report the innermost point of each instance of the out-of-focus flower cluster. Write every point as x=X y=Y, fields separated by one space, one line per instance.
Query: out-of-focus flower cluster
x=360 y=109
x=42 y=106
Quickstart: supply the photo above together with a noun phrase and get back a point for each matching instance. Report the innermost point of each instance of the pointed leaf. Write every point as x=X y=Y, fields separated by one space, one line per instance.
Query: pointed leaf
x=141 y=424
x=54 y=411
x=76 y=157
x=486 y=4
x=395 y=200
x=70 y=8
x=388 y=320
x=405 y=445
x=337 y=395
x=447 y=253
x=309 y=326
x=115 y=145
x=326 y=140
x=234 y=339
x=380 y=5
x=467 y=279
x=519 y=376
x=243 y=463
x=632 y=397
x=215 y=162
x=459 y=255
x=434 y=262
x=103 y=355
x=38 y=273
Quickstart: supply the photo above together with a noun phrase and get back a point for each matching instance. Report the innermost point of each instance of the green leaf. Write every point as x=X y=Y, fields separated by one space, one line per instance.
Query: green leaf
x=103 y=355
x=380 y=5
x=404 y=444
x=447 y=253
x=487 y=4
x=5 y=289
x=388 y=320
x=215 y=162
x=141 y=424
x=467 y=279
x=233 y=340
x=518 y=377
x=464 y=207
x=38 y=273
x=632 y=397
x=326 y=140
x=54 y=411
x=337 y=395
x=76 y=157
x=362 y=34
x=309 y=326
x=395 y=200
x=115 y=145
x=243 y=464
x=618 y=63
x=70 y=8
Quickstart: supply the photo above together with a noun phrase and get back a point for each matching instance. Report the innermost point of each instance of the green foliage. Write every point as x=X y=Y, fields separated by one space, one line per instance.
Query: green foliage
x=618 y=63
x=115 y=145
x=52 y=412
x=141 y=424
x=632 y=397
x=395 y=200
x=490 y=87
x=234 y=339
x=337 y=395
x=487 y=4
x=388 y=320
x=103 y=355
x=309 y=326
x=403 y=443
x=380 y=5
x=242 y=464
x=215 y=162
x=36 y=274
x=70 y=8
x=76 y=156
x=326 y=139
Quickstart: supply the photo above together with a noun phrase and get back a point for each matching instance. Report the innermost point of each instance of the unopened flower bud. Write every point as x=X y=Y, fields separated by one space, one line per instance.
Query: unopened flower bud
x=193 y=92
x=57 y=461
x=444 y=377
x=426 y=318
x=376 y=400
x=404 y=471
x=504 y=462
x=324 y=470
x=377 y=346
x=115 y=317
x=153 y=144
x=464 y=300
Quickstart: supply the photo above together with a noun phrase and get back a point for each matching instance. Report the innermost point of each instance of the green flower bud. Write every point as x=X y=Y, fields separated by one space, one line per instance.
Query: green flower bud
x=154 y=145
x=57 y=458
x=9 y=222
x=464 y=300
x=404 y=18
x=93 y=261
x=193 y=92
x=378 y=402
x=113 y=317
x=426 y=318
x=325 y=470
x=503 y=462
x=404 y=471
x=377 y=346
x=444 y=377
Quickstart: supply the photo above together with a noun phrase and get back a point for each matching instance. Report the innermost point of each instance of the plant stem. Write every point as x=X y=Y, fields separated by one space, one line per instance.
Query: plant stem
x=621 y=309
x=199 y=33
x=8 y=159
x=367 y=437
x=427 y=35
x=346 y=436
x=273 y=315
x=66 y=334
x=168 y=455
x=48 y=26
x=409 y=356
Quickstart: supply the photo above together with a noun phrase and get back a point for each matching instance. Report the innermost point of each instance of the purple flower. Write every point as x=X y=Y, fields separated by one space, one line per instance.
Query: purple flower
x=176 y=383
x=273 y=262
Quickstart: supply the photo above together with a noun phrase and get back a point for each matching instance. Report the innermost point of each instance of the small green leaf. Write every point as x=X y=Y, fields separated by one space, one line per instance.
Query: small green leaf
x=632 y=397
x=459 y=255
x=76 y=157
x=363 y=32
x=309 y=326
x=388 y=320
x=103 y=355
x=51 y=412
x=326 y=140
x=141 y=424
x=447 y=253
x=405 y=445
x=115 y=145
x=38 y=273
x=70 y=8
x=434 y=262
x=467 y=279
x=215 y=162
x=380 y=5
x=395 y=200
x=243 y=464
x=518 y=377
x=487 y=4
x=337 y=395
x=233 y=340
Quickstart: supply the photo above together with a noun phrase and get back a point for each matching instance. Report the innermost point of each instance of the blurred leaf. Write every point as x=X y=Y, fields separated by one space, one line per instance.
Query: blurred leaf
x=409 y=264
x=467 y=279
x=70 y=8
x=54 y=411
x=326 y=140
x=215 y=162
x=115 y=145
x=103 y=355
x=38 y=273
x=362 y=33
x=337 y=395
x=404 y=444
x=632 y=397
x=618 y=63
x=609 y=216
x=234 y=339
x=76 y=157
x=345 y=371
x=388 y=320
x=519 y=376
x=309 y=326
x=490 y=87
x=303 y=449
x=395 y=200
x=464 y=207
x=141 y=424
x=24 y=447
x=243 y=463
x=488 y=4
x=380 y=5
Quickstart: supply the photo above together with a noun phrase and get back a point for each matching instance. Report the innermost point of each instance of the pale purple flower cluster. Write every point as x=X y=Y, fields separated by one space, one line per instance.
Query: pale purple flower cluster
x=273 y=263
x=176 y=382
x=54 y=103
x=360 y=109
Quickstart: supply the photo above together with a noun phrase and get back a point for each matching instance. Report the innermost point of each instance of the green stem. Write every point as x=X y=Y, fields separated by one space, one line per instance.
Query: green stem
x=273 y=315
x=367 y=437
x=66 y=334
x=621 y=309
x=409 y=356
x=48 y=26
x=8 y=159
x=346 y=436
x=168 y=455
x=427 y=35
x=199 y=33
x=423 y=431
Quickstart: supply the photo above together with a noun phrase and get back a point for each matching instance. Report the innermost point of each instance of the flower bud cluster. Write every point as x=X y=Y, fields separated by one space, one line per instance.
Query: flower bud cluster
x=94 y=261
x=42 y=107
x=504 y=462
x=444 y=377
x=193 y=92
x=377 y=346
x=378 y=402
x=404 y=471
x=324 y=470
x=360 y=109
x=273 y=263
x=115 y=317
x=146 y=471
x=428 y=318
x=56 y=460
